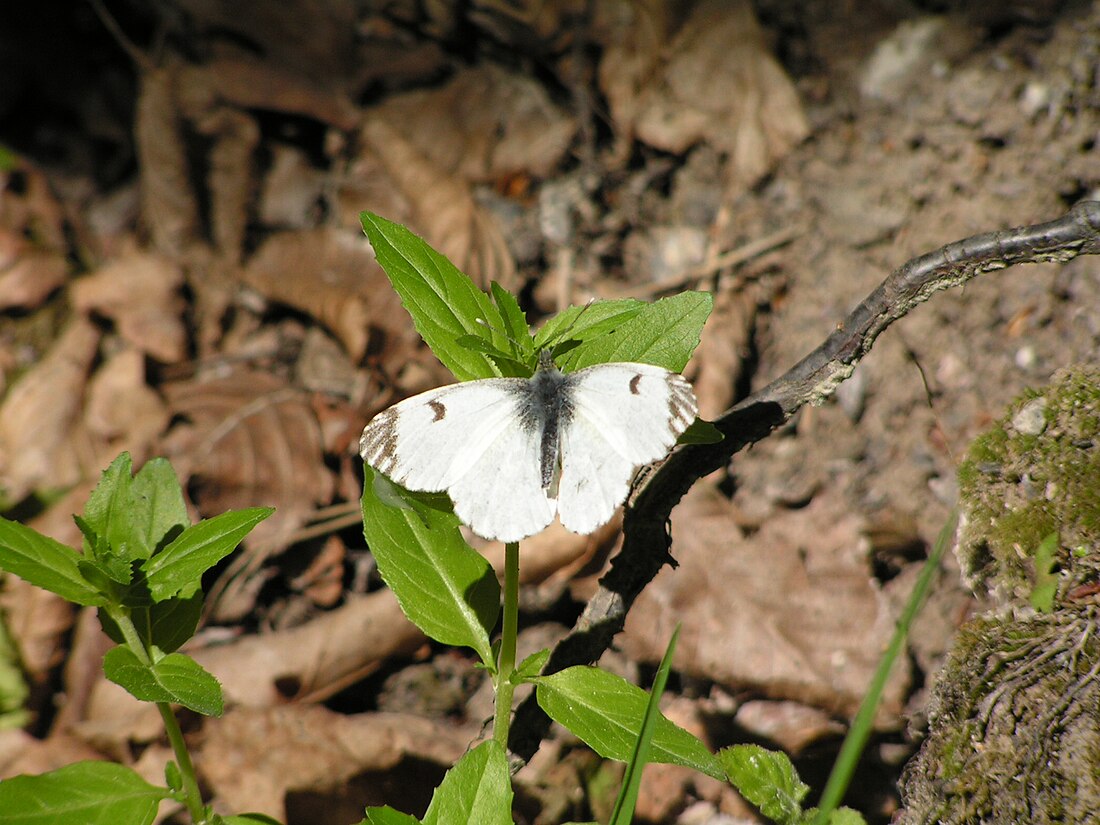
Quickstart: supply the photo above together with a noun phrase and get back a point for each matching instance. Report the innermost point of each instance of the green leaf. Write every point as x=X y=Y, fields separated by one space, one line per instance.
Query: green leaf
x=515 y=322
x=664 y=333
x=85 y=793
x=767 y=779
x=167 y=624
x=172 y=776
x=175 y=678
x=388 y=816
x=840 y=816
x=700 y=432
x=583 y=323
x=13 y=687
x=178 y=568
x=45 y=563
x=443 y=302
x=531 y=666
x=606 y=712
x=623 y=813
x=477 y=789
x=127 y=519
x=445 y=588
x=252 y=819
x=173 y=621
x=104 y=523
x=846 y=816
x=158 y=511
x=1046 y=582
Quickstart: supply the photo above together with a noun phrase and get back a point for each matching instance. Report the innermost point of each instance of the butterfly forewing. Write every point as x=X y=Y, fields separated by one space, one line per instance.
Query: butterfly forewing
x=621 y=417
x=471 y=441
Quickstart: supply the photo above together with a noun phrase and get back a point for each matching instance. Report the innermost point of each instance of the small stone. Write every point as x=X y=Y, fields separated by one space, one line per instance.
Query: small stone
x=1031 y=419
x=1026 y=357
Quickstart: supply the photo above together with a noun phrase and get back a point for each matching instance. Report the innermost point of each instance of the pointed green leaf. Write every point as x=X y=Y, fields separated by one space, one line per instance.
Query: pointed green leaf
x=445 y=588
x=158 y=511
x=477 y=789
x=85 y=793
x=127 y=519
x=178 y=568
x=45 y=563
x=623 y=812
x=606 y=712
x=583 y=323
x=443 y=302
x=105 y=520
x=175 y=678
x=515 y=321
x=664 y=333
x=767 y=779
x=531 y=666
x=388 y=816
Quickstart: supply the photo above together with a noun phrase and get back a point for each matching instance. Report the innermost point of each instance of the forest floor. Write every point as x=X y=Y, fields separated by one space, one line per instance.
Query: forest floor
x=183 y=273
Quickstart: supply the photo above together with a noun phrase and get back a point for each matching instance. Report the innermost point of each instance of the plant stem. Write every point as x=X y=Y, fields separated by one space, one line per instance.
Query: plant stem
x=506 y=664
x=192 y=798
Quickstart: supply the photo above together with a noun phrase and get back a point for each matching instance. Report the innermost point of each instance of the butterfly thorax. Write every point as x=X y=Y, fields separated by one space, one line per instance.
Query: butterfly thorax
x=544 y=408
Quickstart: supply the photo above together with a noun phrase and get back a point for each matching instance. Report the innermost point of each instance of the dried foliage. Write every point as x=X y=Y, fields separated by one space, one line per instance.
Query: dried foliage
x=184 y=274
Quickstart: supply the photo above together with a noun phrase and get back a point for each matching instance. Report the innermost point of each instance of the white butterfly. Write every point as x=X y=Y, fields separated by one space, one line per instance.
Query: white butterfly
x=511 y=452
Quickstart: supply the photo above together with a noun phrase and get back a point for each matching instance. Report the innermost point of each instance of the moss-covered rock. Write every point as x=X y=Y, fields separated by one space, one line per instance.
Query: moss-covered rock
x=1036 y=472
x=1014 y=718
x=1014 y=726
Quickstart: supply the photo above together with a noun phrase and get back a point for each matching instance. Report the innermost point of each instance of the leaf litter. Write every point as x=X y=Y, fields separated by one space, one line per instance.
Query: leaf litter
x=241 y=327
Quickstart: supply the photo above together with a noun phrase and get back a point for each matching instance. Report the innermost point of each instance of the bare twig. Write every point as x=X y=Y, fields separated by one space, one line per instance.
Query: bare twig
x=646 y=540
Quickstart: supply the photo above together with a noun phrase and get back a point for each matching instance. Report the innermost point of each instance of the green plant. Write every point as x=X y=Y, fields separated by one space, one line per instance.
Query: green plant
x=141 y=567
x=142 y=563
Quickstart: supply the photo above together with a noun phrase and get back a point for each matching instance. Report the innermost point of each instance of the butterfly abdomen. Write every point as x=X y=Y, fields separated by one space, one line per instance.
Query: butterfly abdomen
x=544 y=409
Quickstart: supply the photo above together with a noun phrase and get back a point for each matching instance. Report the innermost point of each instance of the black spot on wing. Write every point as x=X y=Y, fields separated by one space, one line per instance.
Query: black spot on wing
x=634 y=383
x=439 y=411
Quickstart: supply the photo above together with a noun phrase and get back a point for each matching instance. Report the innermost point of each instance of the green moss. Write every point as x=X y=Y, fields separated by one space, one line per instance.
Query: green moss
x=1030 y=475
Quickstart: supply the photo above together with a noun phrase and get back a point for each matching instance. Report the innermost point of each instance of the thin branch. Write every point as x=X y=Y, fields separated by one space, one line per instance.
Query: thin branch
x=646 y=540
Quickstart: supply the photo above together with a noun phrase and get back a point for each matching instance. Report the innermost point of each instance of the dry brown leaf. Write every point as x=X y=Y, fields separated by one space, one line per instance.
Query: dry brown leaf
x=331 y=274
x=716 y=82
x=252 y=759
x=244 y=83
x=169 y=205
x=233 y=137
x=292 y=189
x=247 y=440
x=791 y=612
x=139 y=291
x=38 y=419
x=29 y=208
x=723 y=348
x=21 y=753
x=123 y=412
x=484 y=125
x=31 y=278
x=635 y=34
x=443 y=208
x=39 y=623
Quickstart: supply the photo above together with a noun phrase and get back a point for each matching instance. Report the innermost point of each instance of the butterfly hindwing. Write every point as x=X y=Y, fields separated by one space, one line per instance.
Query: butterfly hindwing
x=471 y=441
x=621 y=417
